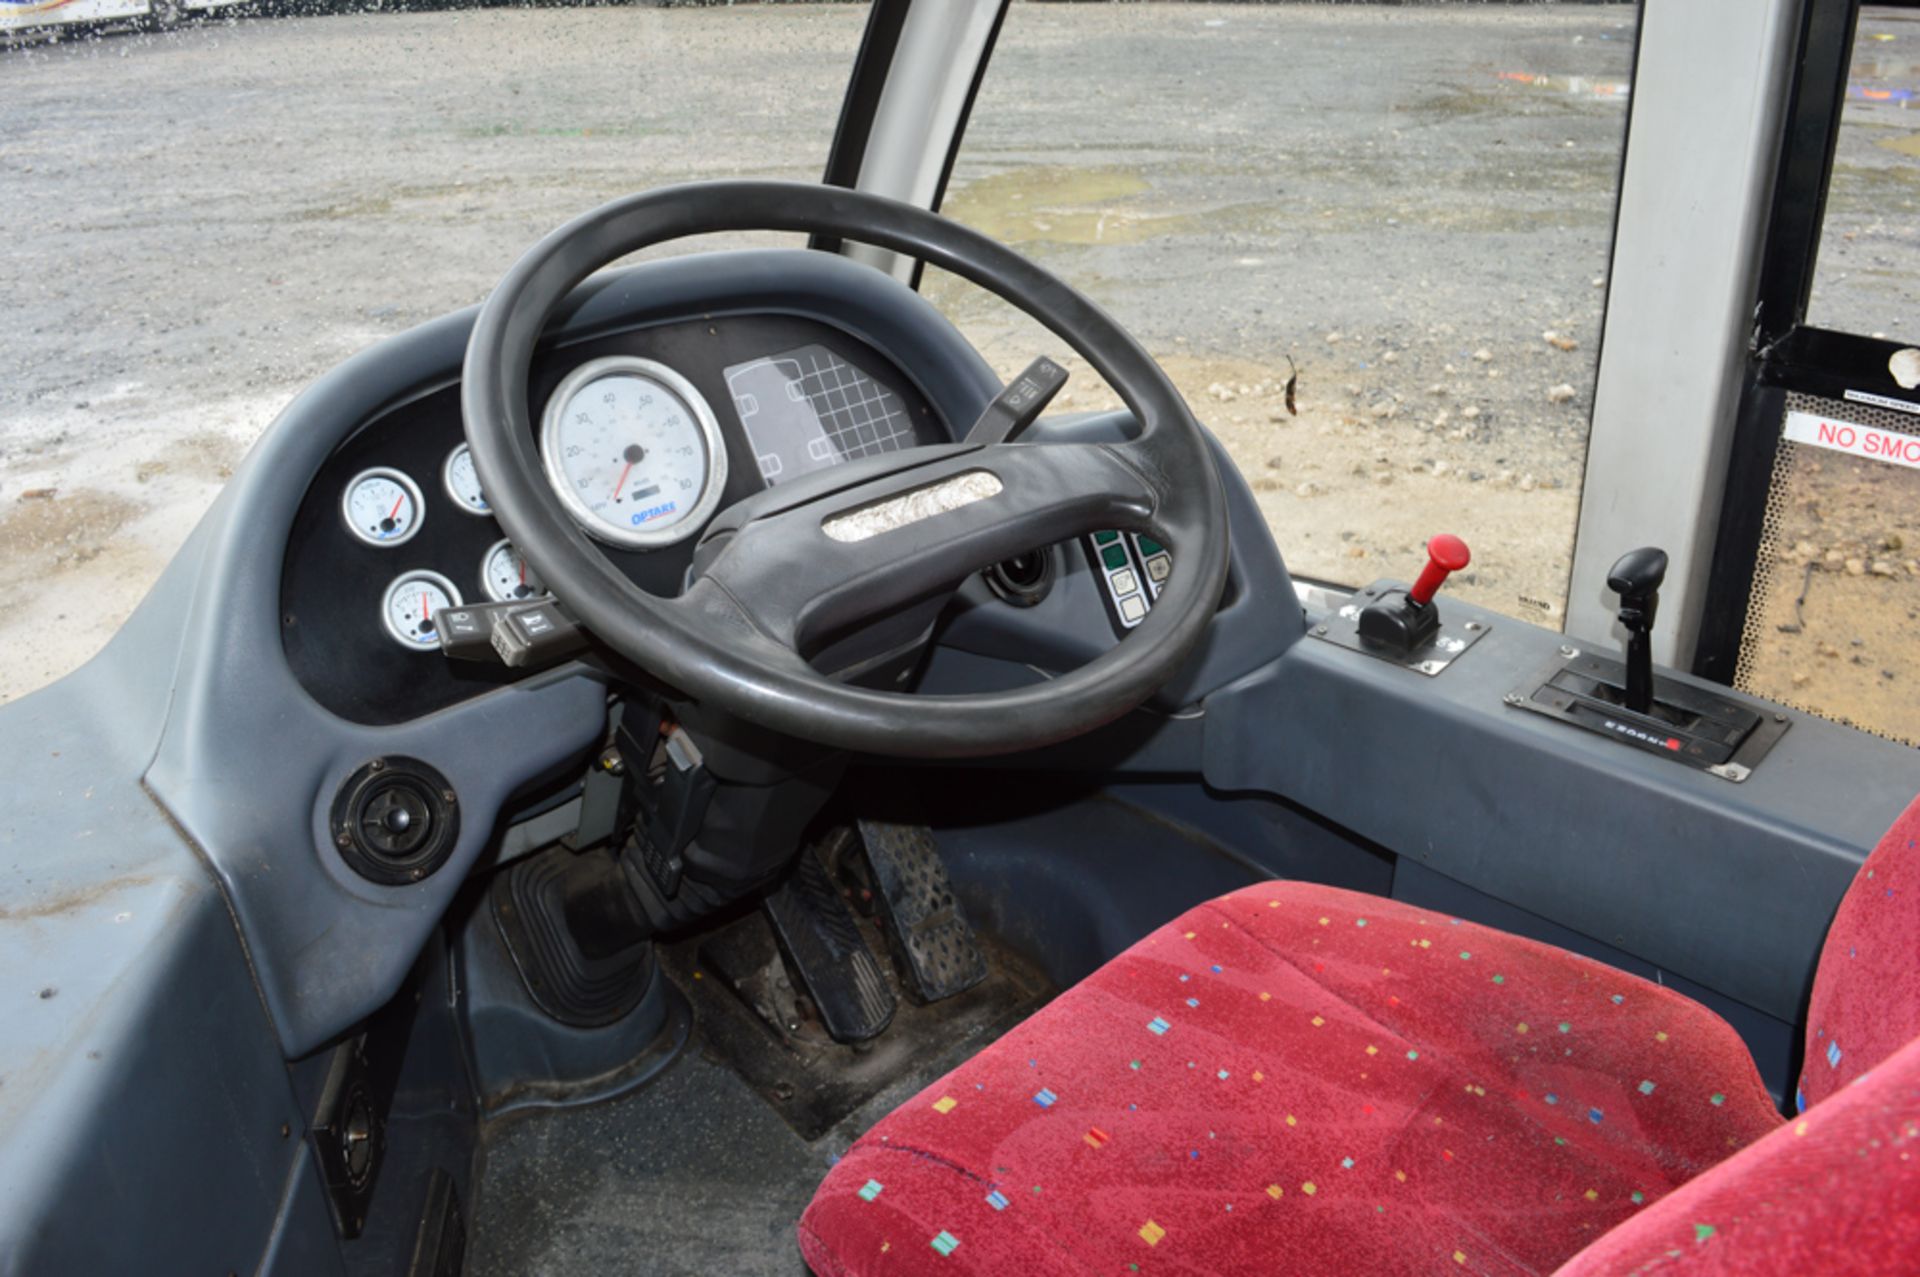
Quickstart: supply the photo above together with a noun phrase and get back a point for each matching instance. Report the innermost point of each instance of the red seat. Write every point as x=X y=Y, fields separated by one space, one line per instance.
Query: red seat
x=1296 y=1079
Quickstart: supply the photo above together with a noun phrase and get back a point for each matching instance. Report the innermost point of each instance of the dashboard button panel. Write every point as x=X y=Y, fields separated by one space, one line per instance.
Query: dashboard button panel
x=1132 y=570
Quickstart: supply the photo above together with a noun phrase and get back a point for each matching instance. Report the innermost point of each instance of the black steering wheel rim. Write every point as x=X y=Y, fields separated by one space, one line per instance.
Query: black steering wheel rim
x=704 y=643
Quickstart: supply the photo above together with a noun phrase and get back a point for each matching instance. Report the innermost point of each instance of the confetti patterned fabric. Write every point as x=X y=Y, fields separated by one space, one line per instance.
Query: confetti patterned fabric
x=1835 y=1193
x=1297 y=1079
x=1866 y=999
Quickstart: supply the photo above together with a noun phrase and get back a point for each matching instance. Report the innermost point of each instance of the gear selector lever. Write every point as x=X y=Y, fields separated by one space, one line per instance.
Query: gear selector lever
x=1636 y=578
x=1690 y=722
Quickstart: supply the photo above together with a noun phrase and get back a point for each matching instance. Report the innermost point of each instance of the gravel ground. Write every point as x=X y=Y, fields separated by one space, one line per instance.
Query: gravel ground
x=1409 y=206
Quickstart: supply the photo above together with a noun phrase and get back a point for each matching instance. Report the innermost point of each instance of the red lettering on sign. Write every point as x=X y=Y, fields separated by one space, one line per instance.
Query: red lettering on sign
x=1869 y=442
x=1837 y=435
x=1897 y=447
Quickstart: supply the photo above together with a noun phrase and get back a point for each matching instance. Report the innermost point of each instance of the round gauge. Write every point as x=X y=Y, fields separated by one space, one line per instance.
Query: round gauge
x=463 y=482
x=382 y=506
x=505 y=573
x=633 y=451
x=411 y=601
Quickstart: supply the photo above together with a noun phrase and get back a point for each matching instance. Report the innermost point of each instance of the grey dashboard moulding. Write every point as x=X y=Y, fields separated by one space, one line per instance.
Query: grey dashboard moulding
x=247 y=762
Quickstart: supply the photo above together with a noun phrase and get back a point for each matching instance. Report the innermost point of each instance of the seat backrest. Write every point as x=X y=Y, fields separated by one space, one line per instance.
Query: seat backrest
x=1837 y=1190
x=1866 y=991
x=1834 y=1192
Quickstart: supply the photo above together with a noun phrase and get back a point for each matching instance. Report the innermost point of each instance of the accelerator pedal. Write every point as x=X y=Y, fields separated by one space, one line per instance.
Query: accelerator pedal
x=823 y=942
x=931 y=935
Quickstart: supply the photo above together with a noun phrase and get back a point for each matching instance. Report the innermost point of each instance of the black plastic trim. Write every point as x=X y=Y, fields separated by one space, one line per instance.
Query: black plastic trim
x=1808 y=137
x=960 y=126
x=871 y=67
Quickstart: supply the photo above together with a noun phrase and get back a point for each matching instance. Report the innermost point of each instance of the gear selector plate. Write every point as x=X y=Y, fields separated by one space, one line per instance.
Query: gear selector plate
x=1721 y=734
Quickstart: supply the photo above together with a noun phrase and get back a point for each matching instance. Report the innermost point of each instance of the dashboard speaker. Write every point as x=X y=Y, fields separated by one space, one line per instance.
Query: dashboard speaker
x=395 y=821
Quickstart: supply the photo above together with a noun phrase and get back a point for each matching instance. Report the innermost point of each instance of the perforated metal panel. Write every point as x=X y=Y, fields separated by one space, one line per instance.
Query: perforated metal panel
x=1833 y=626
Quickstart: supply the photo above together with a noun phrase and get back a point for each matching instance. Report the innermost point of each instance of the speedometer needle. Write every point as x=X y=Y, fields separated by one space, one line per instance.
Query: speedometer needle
x=621 y=482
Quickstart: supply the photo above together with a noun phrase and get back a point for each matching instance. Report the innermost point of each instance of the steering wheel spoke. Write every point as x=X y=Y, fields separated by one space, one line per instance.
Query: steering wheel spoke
x=809 y=572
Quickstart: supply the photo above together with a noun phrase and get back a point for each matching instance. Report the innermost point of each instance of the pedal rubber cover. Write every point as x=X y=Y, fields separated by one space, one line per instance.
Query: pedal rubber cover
x=930 y=929
x=823 y=941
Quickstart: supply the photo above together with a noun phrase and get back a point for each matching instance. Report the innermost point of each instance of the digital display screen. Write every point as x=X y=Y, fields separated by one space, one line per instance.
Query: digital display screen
x=807 y=408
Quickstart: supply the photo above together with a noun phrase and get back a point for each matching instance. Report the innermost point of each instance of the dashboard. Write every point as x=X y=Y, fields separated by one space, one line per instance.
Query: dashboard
x=643 y=433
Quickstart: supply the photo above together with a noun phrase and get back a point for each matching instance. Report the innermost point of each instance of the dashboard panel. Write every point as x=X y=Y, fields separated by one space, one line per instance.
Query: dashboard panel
x=394 y=525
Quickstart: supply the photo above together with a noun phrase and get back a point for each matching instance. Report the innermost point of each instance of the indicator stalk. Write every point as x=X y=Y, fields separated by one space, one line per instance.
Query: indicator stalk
x=1020 y=404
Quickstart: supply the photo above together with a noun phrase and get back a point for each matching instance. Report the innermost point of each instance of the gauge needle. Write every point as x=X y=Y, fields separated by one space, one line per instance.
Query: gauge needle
x=424 y=614
x=621 y=482
x=397 y=503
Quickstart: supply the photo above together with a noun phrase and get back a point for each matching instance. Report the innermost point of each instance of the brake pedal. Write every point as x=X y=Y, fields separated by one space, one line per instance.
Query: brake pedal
x=823 y=941
x=933 y=940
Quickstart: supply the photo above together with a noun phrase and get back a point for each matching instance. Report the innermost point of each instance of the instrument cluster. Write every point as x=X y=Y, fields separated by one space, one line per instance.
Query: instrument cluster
x=643 y=436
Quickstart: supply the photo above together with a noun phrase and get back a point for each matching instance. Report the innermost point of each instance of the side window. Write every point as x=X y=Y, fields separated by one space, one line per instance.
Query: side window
x=1867 y=276
x=1836 y=583
x=1409 y=210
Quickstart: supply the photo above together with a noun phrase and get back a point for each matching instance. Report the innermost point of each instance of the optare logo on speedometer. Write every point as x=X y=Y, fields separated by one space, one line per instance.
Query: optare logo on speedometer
x=633 y=451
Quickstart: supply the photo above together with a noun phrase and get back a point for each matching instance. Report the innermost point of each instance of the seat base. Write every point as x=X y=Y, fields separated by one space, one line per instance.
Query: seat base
x=1292 y=1079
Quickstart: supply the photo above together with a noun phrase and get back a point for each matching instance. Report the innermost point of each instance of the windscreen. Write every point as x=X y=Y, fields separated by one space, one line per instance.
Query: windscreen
x=1369 y=242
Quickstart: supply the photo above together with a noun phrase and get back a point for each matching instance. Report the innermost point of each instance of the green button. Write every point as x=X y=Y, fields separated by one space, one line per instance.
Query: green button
x=1114 y=556
x=1105 y=538
x=1150 y=546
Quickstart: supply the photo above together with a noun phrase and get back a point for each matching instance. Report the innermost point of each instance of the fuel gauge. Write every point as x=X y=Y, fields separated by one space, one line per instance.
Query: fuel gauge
x=505 y=573
x=463 y=482
x=382 y=506
x=408 y=610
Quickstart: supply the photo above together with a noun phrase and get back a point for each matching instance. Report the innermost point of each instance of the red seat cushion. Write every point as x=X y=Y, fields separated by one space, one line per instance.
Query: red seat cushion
x=1299 y=1079
x=1866 y=996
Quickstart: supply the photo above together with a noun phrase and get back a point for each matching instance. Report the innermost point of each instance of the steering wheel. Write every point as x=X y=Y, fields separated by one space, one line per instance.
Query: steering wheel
x=857 y=543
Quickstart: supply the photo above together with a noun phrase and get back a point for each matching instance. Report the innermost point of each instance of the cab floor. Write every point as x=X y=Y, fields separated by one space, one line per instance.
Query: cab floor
x=698 y=1172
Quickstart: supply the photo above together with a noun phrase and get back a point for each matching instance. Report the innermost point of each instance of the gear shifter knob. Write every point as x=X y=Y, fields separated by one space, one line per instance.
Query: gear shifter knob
x=1636 y=578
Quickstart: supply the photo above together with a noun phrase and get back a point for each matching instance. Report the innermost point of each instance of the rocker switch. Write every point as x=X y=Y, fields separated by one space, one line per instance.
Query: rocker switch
x=1406 y=620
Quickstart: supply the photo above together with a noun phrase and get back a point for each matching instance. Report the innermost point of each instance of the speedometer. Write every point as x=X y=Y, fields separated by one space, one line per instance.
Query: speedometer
x=633 y=451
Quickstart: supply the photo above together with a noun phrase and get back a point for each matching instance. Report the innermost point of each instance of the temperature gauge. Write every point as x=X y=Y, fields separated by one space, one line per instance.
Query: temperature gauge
x=382 y=507
x=505 y=573
x=409 y=607
x=463 y=482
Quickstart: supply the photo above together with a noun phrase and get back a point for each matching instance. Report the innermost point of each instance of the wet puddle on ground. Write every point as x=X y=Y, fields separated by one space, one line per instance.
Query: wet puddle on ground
x=46 y=529
x=1060 y=205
